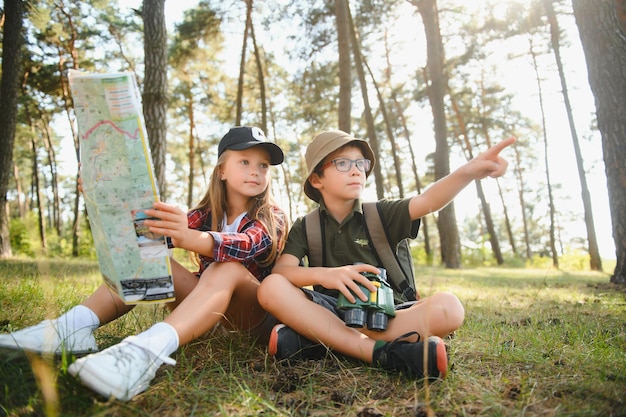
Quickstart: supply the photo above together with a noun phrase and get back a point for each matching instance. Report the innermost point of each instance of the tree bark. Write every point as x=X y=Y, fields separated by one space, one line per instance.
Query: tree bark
x=155 y=86
x=12 y=40
x=390 y=135
x=367 y=109
x=345 y=72
x=260 y=75
x=41 y=224
x=595 y=263
x=192 y=147
x=601 y=25
x=552 y=211
x=44 y=125
x=521 y=192
x=491 y=229
x=446 y=221
x=242 y=65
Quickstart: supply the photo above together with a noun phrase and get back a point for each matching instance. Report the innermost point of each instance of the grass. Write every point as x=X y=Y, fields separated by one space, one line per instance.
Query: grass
x=534 y=343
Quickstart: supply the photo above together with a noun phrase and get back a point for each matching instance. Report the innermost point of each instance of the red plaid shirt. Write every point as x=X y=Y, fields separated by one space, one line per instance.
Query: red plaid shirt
x=249 y=245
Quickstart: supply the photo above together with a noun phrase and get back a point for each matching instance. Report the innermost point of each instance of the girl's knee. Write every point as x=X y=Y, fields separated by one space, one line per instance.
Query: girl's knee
x=218 y=271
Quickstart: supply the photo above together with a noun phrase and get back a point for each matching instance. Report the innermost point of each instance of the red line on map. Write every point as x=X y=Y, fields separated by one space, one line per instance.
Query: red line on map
x=105 y=122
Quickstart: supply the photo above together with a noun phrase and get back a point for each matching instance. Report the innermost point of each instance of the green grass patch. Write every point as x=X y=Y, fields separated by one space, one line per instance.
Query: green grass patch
x=535 y=343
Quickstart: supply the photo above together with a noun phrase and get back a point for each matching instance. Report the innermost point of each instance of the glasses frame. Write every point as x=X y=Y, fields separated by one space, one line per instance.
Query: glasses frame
x=353 y=162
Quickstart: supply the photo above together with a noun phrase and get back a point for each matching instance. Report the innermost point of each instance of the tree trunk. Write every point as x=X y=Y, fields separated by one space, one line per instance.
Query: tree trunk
x=390 y=135
x=367 y=109
x=242 y=66
x=507 y=220
x=555 y=256
x=192 y=148
x=21 y=205
x=155 y=86
x=41 y=224
x=69 y=48
x=521 y=192
x=345 y=72
x=12 y=40
x=486 y=209
x=601 y=24
x=260 y=74
x=484 y=126
x=446 y=221
x=54 y=178
x=418 y=183
x=595 y=263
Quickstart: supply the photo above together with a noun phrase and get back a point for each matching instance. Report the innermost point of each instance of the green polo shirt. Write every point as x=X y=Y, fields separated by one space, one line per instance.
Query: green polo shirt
x=347 y=242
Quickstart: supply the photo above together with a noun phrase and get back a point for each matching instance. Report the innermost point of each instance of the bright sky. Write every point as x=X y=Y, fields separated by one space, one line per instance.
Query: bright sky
x=519 y=74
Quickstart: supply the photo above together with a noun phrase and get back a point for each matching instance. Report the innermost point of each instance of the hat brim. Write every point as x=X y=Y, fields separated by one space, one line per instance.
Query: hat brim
x=276 y=154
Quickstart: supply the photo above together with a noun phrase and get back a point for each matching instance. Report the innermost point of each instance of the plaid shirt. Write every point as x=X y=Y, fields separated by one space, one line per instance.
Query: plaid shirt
x=249 y=246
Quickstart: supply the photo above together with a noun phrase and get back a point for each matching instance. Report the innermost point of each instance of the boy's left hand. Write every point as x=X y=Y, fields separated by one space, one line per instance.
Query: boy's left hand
x=490 y=163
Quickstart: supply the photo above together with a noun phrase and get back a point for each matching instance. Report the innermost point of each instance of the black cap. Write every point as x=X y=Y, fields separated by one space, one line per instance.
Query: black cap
x=244 y=137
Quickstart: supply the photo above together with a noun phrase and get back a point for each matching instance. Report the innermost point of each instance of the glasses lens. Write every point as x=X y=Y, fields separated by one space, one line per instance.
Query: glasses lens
x=343 y=164
x=362 y=164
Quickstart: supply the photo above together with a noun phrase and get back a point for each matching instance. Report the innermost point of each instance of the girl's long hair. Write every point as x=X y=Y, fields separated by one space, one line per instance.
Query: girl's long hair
x=260 y=207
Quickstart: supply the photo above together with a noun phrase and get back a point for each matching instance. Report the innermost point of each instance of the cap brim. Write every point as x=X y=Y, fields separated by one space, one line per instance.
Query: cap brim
x=276 y=154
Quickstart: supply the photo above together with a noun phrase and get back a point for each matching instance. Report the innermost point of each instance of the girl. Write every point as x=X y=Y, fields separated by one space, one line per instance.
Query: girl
x=237 y=233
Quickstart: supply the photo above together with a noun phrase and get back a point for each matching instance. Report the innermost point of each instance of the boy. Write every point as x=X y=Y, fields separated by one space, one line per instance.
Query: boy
x=338 y=166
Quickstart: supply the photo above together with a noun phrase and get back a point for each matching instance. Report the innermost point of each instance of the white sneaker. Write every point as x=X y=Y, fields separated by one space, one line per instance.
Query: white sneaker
x=122 y=371
x=50 y=337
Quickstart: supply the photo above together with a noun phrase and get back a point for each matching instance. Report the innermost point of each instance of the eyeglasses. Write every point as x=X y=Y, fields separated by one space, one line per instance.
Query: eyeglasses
x=345 y=164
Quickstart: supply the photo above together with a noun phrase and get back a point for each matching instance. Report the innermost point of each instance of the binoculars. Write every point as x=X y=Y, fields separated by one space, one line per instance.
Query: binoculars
x=374 y=312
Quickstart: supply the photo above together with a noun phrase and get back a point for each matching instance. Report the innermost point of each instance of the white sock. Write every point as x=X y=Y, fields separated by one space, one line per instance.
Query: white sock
x=161 y=340
x=80 y=317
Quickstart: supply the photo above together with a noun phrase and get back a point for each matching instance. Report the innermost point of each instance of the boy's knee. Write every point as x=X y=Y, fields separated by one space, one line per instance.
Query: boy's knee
x=268 y=289
x=454 y=309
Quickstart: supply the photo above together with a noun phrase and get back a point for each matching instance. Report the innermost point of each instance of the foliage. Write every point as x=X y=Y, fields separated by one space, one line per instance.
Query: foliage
x=21 y=241
x=297 y=44
x=535 y=342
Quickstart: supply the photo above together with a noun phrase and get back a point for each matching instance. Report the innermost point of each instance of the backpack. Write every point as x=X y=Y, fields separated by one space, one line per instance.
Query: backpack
x=398 y=262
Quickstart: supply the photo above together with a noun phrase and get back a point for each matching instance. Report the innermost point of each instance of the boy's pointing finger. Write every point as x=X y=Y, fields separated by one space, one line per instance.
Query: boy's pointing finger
x=498 y=147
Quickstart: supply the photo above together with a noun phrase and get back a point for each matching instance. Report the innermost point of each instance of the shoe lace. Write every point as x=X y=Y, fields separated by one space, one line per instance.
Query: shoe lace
x=386 y=354
x=126 y=354
x=134 y=341
x=398 y=340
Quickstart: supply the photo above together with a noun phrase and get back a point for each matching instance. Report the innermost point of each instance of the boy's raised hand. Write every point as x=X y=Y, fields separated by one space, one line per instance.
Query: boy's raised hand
x=489 y=163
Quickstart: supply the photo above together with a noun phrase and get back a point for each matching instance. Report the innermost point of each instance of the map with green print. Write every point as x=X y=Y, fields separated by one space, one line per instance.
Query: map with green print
x=118 y=183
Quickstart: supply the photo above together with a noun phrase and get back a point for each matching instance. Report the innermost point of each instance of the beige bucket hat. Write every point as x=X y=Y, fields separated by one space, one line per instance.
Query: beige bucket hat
x=323 y=145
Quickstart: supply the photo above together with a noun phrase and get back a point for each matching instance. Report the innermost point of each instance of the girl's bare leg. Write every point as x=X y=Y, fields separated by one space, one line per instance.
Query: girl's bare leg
x=225 y=290
x=184 y=283
x=108 y=306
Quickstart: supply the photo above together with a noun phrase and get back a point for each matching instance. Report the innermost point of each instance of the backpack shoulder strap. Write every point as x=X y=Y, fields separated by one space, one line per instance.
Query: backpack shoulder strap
x=312 y=226
x=382 y=247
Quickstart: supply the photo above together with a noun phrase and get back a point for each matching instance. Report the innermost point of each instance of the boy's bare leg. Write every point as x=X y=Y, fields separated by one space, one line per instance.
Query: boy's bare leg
x=437 y=315
x=292 y=307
